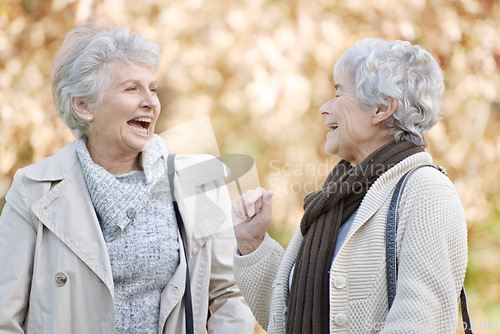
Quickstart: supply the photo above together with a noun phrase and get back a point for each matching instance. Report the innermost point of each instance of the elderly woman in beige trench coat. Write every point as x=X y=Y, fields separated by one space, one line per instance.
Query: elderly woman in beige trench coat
x=84 y=233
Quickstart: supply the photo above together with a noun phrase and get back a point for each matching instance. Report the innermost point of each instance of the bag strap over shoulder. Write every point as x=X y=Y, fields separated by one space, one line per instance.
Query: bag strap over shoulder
x=391 y=249
x=188 y=307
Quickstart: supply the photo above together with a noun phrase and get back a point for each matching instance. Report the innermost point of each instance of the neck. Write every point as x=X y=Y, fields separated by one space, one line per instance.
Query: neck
x=114 y=162
x=371 y=147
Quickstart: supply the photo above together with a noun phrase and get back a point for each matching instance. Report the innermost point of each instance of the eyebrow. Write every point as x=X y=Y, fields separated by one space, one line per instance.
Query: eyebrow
x=154 y=82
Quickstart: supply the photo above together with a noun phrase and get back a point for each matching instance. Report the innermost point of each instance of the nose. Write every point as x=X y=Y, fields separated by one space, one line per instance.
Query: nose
x=150 y=100
x=325 y=108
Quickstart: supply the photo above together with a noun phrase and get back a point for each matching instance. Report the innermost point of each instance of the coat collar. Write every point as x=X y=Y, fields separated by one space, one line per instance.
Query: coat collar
x=56 y=167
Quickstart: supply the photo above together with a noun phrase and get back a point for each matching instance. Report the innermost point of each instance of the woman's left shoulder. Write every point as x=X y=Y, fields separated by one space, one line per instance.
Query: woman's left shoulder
x=429 y=186
x=191 y=159
x=201 y=168
x=430 y=176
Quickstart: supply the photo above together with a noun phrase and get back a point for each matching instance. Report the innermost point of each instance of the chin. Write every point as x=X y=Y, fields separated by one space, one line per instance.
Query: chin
x=143 y=144
x=330 y=150
x=138 y=144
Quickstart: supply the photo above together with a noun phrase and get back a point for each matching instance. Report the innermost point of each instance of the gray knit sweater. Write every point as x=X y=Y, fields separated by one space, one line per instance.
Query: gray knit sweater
x=138 y=223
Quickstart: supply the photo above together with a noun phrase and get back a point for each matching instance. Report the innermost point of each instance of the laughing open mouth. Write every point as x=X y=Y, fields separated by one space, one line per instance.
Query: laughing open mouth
x=333 y=126
x=140 y=124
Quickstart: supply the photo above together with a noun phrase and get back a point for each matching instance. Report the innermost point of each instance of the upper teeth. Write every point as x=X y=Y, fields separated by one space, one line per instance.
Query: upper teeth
x=333 y=126
x=143 y=119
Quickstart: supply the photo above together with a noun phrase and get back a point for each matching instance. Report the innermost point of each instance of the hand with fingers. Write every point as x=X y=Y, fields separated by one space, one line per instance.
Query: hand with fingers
x=252 y=213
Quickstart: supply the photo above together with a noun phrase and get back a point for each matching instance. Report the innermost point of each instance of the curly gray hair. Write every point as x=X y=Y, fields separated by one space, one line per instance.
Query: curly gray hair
x=400 y=71
x=81 y=68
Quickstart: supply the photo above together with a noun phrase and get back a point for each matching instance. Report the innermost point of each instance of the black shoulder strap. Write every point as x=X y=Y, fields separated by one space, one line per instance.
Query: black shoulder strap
x=187 y=292
x=390 y=243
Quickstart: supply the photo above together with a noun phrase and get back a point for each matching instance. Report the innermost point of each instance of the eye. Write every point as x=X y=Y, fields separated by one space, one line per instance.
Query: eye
x=154 y=89
x=132 y=88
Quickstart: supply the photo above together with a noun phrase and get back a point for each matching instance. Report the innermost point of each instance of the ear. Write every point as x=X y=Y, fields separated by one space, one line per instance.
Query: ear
x=81 y=109
x=383 y=113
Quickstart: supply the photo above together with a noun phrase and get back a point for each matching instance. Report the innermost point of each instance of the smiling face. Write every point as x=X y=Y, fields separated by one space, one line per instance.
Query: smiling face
x=353 y=132
x=124 y=122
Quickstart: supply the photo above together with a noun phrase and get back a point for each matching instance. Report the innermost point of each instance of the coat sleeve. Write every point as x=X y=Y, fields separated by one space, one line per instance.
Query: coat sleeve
x=229 y=310
x=432 y=258
x=17 y=245
x=255 y=274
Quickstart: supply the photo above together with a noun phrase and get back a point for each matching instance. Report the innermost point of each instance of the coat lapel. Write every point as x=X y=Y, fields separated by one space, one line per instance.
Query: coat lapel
x=67 y=211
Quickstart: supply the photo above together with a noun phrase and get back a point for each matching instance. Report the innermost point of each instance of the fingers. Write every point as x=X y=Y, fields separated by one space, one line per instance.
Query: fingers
x=258 y=205
x=249 y=204
x=267 y=207
x=253 y=200
x=237 y=208
x=253 y=195
x=266 y=196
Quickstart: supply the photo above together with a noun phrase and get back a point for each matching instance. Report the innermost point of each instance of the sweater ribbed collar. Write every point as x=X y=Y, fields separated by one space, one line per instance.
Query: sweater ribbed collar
x=118 y=202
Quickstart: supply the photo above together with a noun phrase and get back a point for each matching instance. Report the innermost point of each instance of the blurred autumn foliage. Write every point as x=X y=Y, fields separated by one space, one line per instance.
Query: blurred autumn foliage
x=260 y=70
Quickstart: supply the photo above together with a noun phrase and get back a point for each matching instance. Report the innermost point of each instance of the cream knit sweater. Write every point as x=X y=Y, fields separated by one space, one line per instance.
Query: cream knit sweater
x=432 y=253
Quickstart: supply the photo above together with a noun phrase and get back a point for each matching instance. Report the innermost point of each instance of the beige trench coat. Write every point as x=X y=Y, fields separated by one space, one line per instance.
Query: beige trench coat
x=55 y=274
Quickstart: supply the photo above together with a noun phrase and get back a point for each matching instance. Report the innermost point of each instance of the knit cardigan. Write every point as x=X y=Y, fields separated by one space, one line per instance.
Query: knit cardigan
x=432 y=255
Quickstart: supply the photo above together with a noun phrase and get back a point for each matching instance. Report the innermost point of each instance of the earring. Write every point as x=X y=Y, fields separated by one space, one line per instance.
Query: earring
x=89 y=118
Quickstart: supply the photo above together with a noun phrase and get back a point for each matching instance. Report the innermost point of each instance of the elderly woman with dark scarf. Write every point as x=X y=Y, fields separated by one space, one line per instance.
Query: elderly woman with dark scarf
x=333 y=275
x=89 y=237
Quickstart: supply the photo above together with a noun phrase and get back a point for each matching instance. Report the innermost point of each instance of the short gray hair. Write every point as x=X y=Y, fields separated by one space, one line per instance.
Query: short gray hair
x=81 y=68
x=400 y=71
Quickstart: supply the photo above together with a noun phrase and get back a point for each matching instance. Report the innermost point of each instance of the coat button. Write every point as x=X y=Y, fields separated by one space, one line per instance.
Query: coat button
x=340 y=319
x=60 y=279
x=131 y=213
x=339 y=282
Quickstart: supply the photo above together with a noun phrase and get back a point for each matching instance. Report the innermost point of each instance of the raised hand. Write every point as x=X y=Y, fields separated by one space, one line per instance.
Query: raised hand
x=252 y=213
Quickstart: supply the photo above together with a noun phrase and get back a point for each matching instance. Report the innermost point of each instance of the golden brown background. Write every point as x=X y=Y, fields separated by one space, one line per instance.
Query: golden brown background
x=260 y=69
